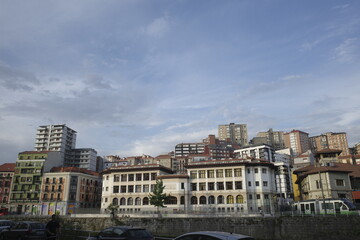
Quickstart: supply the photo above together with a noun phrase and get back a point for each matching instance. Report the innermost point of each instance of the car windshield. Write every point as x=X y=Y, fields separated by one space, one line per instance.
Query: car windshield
x=37 y=226
x=118 y=231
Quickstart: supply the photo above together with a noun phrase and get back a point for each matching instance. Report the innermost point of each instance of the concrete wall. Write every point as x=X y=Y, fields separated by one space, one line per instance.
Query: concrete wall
x=284 y=228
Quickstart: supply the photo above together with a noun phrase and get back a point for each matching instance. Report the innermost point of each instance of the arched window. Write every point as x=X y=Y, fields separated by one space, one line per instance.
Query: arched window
x=145 y=201
x=202 y=200
x=130 y=201
x=230 y=199
x=137 y=201
x=122 y=201
x=220 y=199
x=239 y=199
x=211 y=200
x=194 y=200
x=171 y=200
x=182 y=200
x=115 y=201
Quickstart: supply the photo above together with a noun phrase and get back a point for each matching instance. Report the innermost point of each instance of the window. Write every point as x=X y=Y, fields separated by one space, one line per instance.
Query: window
x=248 y=170
x=116 y=178
x=230 y=199
x=340 y=182
x=266 y=196
x=264 y=170
x=265 y=183
x=116 y=189
x=249 y=183
x=138 y=177
x=146 y=176
x=211 y=186
x=256 y=170
x=239 y=199
x=138 y=188
x=238 y=184
x=257 y=183
x=182 y=185
x=130 y=188
x=145 y=188
x=229 y=185
x=153 y=176
x=219 y=173
x=123 y=177
x=131 y=177
x=193 y=200
x=137 y=201
x=202 y=200
x=228 y=172
x=220 y=185
x=202 y=186
x=193 y=187
x=123 y=189
x=107 y=189
x=211 y=174
x=211 y=200
x=237 y=172
x=250 y=196
x=257 y=196
x=193 y=174
x=220 y=199
x=202 y=174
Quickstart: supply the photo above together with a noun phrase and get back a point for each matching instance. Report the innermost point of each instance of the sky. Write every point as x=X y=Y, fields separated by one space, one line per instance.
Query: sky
x=137 y=77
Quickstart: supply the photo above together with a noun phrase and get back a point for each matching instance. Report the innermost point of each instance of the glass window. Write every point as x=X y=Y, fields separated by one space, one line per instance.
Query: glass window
x=228 y=172
x=264 y=170
x=193 y=187
x=202 y=174
x=146 y=176
x=202 y=186
x=219 y=173
x=238 y=184
x=131 y=177
x=220 y=185
x=237 y=172
x=123 y=177
x=211 y=174
x=229 y=185
x=265 y=183
x=211 y=186
x=193 y=174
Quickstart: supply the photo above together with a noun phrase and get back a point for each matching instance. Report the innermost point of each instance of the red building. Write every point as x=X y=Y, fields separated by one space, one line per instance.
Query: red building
x=6 y=176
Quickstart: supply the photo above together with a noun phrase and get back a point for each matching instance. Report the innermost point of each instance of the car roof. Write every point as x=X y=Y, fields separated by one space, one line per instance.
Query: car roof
x=127 y=227
x=221 y=235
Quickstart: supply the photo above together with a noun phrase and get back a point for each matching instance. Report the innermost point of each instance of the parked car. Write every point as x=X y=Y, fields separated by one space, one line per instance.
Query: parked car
x=5 y=224
x=25 y=230
x=123 y=233
x=210 y=235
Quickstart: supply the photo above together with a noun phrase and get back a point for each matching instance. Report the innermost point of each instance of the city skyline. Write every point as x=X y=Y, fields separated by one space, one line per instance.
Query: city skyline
x=139 y=77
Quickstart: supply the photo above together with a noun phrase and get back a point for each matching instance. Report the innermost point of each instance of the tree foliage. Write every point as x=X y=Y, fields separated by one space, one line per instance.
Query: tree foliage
x=158 y=197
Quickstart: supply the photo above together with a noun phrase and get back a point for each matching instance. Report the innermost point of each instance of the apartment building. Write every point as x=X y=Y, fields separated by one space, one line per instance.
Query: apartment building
x=273 y=138
x=186 y=149
x=220 y=186
x=55 y=138
x=6 y=176
x=330 y=140
x=236 y=133
x=82 y=158
x=263 y=151
x=28 y=172
x=65 y=190
x=297 y=141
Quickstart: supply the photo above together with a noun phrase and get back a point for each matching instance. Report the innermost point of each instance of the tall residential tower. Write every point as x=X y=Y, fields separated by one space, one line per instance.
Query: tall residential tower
x=237 y=133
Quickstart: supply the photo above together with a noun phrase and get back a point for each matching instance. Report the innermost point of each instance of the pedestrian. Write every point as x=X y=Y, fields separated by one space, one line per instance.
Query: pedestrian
x=53 y=228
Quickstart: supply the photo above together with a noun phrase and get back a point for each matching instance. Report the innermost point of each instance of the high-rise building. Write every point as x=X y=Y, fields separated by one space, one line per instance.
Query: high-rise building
x=59 y=138
x=237 y=133
x=330 y=140
x=297 y=141
x=273 y=138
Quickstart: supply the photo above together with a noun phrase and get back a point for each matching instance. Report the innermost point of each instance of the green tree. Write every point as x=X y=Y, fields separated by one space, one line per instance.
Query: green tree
x=158 y=197
x=113 y=208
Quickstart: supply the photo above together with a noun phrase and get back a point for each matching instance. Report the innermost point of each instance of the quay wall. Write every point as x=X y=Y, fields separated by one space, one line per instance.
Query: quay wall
x=261 y=228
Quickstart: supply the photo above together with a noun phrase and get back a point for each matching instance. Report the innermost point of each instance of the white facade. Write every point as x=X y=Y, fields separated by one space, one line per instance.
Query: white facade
x=264 y=152
x=226 y=186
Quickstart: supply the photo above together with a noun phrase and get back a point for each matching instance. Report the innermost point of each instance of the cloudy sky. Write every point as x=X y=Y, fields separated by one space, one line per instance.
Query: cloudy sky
x=137 y=77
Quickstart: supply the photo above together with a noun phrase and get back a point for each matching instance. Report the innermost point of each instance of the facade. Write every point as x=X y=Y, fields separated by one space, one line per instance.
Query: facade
x=265 y=152
x=321 y=182
x=219 y=149
x=298 y=141
x=237 y=133
x=6 y=176
x=82 y=158
x=65 y=190
x=185 y=149
x=331 y=140
x=26 y=186
x=223 y=186
x=273 y=138
x=55 y=138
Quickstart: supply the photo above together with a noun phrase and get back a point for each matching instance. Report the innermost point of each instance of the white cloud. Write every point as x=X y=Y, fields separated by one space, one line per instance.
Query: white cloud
x=346 y=52
x=158 y=27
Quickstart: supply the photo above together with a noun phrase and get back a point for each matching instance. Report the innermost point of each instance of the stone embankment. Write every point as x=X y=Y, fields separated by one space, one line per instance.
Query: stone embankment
x=269 y=228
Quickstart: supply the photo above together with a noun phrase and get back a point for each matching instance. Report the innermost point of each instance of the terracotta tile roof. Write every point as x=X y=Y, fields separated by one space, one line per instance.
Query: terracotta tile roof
x=73 y=169
x=353 y=170
x=328 y=150
x=7 y=167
